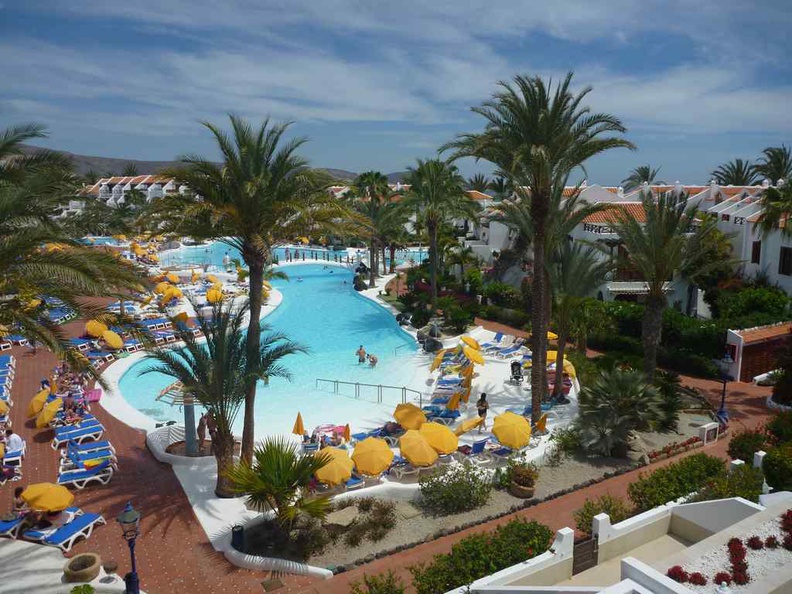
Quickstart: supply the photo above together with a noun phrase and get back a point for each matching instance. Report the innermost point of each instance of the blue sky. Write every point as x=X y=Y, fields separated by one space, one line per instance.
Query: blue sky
x=376 y=84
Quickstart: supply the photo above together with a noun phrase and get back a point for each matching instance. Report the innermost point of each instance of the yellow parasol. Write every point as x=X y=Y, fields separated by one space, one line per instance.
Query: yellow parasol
x=416 y=449
x=299 y=428
x=471 y=342
x=95 y=328
x=437 y=360
x=372 y=456
x=512 y=430
x=440 y=437
x=473 y=355
x=53 y=384
x=3 y=331
x=48 y=413
x=173 y=278
x=47 y=497
x=214 y=296
x=37 y=403
x=194 y=276
x=552 y=335
x=113 y=340
x=347 y=433
x=212 y=278
x=468 y=424
x=409 y=416
x=161 y=288
x=147 y=299
x=3 y=407
x=266 y=285
x=453 y=403
x=182 y=316
x=338 y=468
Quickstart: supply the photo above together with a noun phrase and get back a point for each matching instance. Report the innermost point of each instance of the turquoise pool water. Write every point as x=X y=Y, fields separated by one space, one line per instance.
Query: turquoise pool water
x=323 y=312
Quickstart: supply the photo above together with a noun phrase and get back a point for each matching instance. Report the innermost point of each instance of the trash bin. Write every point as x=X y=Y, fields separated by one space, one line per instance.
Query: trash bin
x=238 y=538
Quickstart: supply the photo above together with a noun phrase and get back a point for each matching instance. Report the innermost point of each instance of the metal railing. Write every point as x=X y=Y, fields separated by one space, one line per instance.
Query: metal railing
x=401 y=346
x=404 y=391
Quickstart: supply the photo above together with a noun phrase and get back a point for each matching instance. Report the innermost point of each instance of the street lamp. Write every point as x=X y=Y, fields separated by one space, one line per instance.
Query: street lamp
x=129 y=520
x=724 y=365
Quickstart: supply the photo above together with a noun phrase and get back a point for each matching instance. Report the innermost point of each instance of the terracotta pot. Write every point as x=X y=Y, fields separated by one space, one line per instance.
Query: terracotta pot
x=82 y=568
x=520 y=491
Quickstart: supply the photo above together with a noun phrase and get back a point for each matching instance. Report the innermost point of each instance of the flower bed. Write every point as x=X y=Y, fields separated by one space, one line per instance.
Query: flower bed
x=745 y=560
x=674 y=448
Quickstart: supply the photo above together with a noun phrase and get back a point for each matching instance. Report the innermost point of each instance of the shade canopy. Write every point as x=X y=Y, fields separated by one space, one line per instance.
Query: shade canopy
x=512 y=430
x=440 y=437
x=212 y=278
x=48 y=413
x=416 y=449
x=338 y=469
x=214 y=296
x=172 y=278
x=175 y=396
x=552 y=335
x=37 y=402
x=299 y=427
x=95 y=328
x=113 y=340
x=372 y=456
x=161 y=288
x=48 y=497
x=471 y=342
x=473 y=355
x=409 y=416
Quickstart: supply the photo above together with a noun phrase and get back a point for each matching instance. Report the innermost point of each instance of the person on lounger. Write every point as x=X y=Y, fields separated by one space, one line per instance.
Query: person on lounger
x=20 y=506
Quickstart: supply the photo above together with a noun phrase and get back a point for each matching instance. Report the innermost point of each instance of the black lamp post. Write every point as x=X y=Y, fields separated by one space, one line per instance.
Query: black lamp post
x=130 y=528
x=725 y=365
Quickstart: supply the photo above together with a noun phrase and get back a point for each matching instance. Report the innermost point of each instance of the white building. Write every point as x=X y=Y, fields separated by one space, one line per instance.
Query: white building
x=113 y=190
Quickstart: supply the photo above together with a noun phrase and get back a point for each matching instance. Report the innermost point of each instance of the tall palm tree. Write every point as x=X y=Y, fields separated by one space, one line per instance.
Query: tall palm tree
x=639 y=176
x=735 y=173
x=130 y=169
x=777 y=208
x=478 y=182
x=214 y=373
x=373 y=194
x=537 y=135
x=461 y=256
x=775 y=164
x=437 y=193
x=671 y=241
x=501 y=188
x=261 y=194
x=575 y=272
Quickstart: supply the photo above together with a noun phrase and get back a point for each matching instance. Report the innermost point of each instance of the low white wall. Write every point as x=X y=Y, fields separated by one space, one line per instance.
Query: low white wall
x=697 y=521
x=650 y=578
x=616 y=539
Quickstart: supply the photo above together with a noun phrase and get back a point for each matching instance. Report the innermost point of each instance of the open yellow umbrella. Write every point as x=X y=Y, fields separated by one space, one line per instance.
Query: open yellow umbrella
x=48 y=497
x=512 y=430
x=182 y=316
x=172 y=277
x=372 y=456
x=409 y=416
x=299 y=428
x=113 y=340
x=48 y=413
x=473 y=355
x=552 y=335
x=212 y=278
x=37 y=403
x=95 y=328
x=3 y=407
x=214 y=296
x=161 y=288
x=416 y=449
x=468 y=424
x=440 y=437
x=437 y=360
x=338 y=469
x=453 y=403
x=471 y=342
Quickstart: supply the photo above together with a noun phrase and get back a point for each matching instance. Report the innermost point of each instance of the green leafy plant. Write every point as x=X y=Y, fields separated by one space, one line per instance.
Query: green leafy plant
x=744 y=481
x=525 y=475
x=780 y=427
x=457 y=488
x=564 y=442
x=501 y=478
x=777 y=466
x=615 y=507
x=743 y=445
x=674 y=481
x=383 y=583
x=83 y=589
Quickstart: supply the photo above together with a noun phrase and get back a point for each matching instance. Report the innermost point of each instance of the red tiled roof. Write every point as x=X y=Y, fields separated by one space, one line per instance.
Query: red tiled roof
x=476 y=195
x=608 y=215
x=764 y=333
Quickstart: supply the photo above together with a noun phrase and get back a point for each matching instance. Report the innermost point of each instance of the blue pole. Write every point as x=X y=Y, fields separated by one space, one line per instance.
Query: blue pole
x=131 y=579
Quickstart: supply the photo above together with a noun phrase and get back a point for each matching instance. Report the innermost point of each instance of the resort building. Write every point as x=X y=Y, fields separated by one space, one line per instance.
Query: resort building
x=112 y=190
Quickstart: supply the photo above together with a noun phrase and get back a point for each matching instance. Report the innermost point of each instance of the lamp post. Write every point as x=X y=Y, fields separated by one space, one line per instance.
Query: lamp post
x=724 y=365
x=129 y=520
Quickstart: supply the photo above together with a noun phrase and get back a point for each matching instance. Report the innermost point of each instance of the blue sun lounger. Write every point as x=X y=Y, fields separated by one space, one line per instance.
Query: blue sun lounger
x=444 y=416
x=79 y=436
x=82 y=477
x=10 y=527
x=81 y=526
x=76 y=460
x=88 y=421
x=39 y=534
x=91 y=446
x=495 y=343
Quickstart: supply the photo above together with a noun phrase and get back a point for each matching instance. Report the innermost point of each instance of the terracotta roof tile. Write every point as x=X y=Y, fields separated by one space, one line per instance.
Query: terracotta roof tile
x=476 y=195
x=764 y=333
x=633 y=209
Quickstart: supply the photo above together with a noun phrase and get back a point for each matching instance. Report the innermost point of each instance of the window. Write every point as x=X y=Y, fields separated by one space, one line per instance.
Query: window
x=785 y=261
x=756 y=252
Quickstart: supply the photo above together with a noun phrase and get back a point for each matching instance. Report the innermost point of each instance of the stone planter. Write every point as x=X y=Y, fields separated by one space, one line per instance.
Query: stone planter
x=520 y=491
x=82 y=568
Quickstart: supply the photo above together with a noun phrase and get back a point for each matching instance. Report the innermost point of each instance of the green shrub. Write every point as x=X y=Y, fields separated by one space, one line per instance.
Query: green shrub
x=482 y=554
x=781 y=427
x=501 y=478
x=510 y=317
x=564 y=442
x=744 y=481
x=456 y=488
x=674 y=481
x=420 y=318
x=586 y=369
x=615 y=507
x=475 y=279
x=383 y=583
x=743 y=445
x=502 y=294
x=82 y=589
x=670 y=388
x=777 y=467
x=770 y=302
x=458 y=318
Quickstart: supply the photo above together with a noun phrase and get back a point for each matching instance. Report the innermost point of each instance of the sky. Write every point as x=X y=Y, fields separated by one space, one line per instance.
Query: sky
x=375 y=85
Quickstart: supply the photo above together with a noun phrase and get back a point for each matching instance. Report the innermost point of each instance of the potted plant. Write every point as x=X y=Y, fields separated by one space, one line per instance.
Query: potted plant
x=523 y=480
x=82 y=568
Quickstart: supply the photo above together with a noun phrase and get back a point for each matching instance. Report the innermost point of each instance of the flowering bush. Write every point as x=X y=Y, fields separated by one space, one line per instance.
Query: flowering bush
x=771 y=542
x=722 y=577
x=678 y=574
x=745 y=444
x=458 y=488
x=755 y=543
x=525 y=475
x=697 y=579
x=741 y=577
x=786 y=521
x=788 y=542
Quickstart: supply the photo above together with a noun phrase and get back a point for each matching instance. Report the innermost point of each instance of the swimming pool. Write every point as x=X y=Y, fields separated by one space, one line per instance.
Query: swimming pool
x=212 y=254
x=323 y=312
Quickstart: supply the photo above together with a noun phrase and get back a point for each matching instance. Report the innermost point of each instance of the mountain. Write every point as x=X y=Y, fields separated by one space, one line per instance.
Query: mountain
x=106 y=166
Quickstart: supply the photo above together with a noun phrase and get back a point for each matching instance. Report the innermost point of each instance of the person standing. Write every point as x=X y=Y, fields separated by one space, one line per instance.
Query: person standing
x=361 y=354
x=482 y=406
x=201 y=432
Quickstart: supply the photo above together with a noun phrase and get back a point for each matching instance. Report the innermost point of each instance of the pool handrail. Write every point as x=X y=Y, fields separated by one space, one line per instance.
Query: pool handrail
x=404 y=390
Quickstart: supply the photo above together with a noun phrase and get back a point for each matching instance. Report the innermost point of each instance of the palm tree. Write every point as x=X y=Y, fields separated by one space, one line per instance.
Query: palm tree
x=643 y=174
x=277 y=480
x=373 y=194
x=671 y=241
x=537 y=136
x=777 y=206
x=735 y=173
x=775 y=164
x=437 y=193
x=478 y=182
x=461 y=256
x=130 y=169
x=214 y=374
x=501 y=188
x=261 y=194
x=575 y=272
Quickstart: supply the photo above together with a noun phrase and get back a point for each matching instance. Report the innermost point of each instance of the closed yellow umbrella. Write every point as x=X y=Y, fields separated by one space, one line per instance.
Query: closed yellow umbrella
x=48 y=413
x=3 y=407
x=172 y=277
x=552 y=335
x=471 y=342
x=409 y=416
x=437 y=360
x=299 y=428
x=372 y=456
x=468 y=424
x=95 y=328
x=453 y=403
x=3 y=331
x=161 y=288
x=48 y=497
x=440 y=437
x=416 y=449
x=473 y=355
x=194 y=277
x=214 y=296
x=338 y=469
x=512 y=430
x=347 y=433
x=37 y=403
x=113 y=340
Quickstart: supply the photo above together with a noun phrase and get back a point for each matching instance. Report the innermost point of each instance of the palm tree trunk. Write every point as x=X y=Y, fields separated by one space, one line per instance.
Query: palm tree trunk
x=190 y=438
x=372 y=263
x=392 y=249
x=538 y=323
x=559 y=370
x=224 y=455
x=384 y=261
x=256 y=280
x=651 y=334
x=431 y=228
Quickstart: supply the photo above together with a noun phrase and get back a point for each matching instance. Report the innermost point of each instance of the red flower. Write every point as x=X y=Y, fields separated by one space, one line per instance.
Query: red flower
x=722 y=577
x=741 y=577
x=771 y=542
x=678 y=574
x=755 y=543
x=697 y=579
